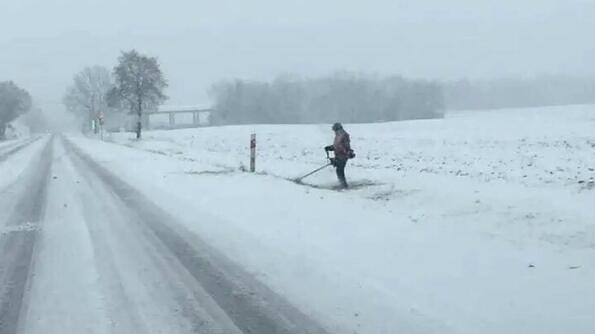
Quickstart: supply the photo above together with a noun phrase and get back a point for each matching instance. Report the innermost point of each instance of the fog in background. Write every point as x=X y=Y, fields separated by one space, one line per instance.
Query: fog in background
x=44 y=43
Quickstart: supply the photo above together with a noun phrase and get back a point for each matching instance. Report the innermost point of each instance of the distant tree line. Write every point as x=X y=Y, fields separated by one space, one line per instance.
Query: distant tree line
x=35 y=120
x=344 y=97
x=136 y=85
x=543 y=90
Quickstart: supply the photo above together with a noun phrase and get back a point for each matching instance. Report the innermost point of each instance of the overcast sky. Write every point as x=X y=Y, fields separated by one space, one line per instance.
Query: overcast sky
x=44 y=42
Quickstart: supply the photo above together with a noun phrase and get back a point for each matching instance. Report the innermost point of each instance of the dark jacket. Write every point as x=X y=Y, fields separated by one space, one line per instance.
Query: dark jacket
x=342 y=145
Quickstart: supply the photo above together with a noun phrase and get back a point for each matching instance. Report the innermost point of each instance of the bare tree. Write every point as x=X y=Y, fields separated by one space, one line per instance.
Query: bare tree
x=14 y=102
x=139 y=85
x=87 y=97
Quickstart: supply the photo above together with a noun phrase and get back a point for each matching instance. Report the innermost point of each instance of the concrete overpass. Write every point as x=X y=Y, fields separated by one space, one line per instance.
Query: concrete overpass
x=169 y=117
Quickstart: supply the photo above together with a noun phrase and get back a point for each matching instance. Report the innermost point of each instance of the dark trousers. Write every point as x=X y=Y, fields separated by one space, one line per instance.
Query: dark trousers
x=340 y=166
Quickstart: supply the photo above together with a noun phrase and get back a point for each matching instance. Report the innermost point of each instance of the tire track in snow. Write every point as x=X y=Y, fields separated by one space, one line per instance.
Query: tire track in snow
x=251 y=306
x=18 y=244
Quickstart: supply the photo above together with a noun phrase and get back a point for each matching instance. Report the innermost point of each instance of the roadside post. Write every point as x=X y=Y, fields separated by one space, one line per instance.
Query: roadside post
x=101 y=122
x=253 y=153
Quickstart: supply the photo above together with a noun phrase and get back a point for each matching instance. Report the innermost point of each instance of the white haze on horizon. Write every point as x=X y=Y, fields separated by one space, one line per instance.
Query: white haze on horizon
x=200 y=42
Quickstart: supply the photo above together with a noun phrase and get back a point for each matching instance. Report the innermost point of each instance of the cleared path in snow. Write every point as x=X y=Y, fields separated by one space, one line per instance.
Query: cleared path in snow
x=83 y=252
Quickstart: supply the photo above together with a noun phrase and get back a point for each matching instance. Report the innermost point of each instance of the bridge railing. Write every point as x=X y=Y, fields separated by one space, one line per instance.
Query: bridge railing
x=173 y=123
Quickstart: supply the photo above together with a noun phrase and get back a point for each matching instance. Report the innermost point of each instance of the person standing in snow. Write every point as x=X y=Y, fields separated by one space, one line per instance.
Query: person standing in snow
x=343 y=152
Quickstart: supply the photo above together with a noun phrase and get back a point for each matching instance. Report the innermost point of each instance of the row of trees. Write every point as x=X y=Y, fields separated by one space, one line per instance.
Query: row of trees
x=135 y=85
x=541 y=90
x=14 y=102
x=343 y=97
x=357 y=98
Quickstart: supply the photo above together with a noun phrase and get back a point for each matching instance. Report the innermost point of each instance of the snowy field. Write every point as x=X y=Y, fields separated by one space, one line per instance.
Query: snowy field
x=483 y=222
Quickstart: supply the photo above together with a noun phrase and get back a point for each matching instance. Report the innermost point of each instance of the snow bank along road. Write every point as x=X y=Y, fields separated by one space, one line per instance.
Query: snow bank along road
x=83 y=252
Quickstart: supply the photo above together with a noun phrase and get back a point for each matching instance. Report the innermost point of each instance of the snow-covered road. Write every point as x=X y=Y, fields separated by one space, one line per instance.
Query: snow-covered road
x=81 y=251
